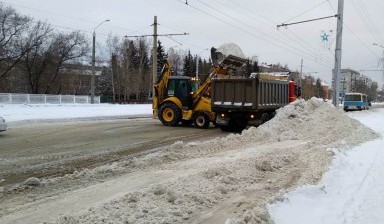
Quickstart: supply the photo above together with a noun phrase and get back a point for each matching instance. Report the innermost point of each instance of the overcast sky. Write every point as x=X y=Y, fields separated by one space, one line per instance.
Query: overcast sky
x=248 y=23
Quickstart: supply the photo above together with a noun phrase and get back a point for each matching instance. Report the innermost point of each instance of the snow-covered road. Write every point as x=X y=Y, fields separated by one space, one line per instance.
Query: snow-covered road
x=352 y=191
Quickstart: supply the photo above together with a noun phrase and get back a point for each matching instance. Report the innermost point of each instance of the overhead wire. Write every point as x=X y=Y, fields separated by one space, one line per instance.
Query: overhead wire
x=272 y=25
x=303 y=13
x=281 y=45
x=370 y=20
x=73 y=18
x=296 y=39
x=368 y=24
x=353 y=33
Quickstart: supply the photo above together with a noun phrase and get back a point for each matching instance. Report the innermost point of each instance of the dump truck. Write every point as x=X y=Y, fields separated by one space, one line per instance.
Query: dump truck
x=229 y=101
x=242 y=101
x=239 y=102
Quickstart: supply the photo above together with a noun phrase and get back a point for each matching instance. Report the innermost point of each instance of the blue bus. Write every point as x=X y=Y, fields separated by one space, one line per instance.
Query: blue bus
x=356 y=101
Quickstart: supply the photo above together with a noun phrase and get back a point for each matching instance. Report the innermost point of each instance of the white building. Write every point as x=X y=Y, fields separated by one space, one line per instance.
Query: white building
x=349 y=80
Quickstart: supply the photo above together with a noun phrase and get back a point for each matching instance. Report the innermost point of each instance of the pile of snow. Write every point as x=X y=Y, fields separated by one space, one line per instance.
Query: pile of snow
x=350 y=192
x=230 y=49
x=294 y=148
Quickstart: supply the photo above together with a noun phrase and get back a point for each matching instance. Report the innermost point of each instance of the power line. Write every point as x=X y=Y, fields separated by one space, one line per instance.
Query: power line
x=370 y=22
x=354 y=34
x=306 y=11
x=296 y=39
x=269 y=36
x=251 y=33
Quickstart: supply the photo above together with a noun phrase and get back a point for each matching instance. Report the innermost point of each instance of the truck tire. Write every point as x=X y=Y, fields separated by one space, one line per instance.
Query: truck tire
x=264 y=118
x=201 y=120
x=170 y=114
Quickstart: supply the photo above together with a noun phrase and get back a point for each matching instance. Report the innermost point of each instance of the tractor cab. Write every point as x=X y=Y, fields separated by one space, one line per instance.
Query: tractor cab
x=181 y=88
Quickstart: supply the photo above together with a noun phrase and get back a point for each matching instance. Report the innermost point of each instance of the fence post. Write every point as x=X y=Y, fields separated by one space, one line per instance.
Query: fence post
x=45 y=99
x=59 y=99
x=10 y=98
x=28 y=98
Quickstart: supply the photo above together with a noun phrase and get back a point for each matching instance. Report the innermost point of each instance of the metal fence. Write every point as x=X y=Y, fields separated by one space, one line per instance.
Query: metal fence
x=14 y=98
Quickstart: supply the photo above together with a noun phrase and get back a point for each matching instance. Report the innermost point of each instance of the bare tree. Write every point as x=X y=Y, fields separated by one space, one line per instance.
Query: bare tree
x=45 y=61
x=66 y=49
x=18 y=36
x=37 y=59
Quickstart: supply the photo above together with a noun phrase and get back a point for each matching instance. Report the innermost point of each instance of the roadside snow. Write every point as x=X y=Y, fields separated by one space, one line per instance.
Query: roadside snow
x=31 y=112
x=351 y=192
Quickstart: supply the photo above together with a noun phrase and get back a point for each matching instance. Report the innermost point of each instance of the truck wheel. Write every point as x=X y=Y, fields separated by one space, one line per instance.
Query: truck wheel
x=264 y=118
x=201 y=120
x=170 y=114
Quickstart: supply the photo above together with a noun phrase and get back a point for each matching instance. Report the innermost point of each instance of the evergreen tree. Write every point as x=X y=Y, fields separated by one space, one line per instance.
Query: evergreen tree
x=189 y=65
x=161 y=57
x=318 y=89
x=255 y=67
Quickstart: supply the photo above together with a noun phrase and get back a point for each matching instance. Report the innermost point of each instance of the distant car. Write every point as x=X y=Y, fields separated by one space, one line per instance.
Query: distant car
x=3 y=125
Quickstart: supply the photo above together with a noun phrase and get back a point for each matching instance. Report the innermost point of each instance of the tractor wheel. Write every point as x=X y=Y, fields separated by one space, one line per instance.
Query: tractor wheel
x=170 y=114
x=201 y=120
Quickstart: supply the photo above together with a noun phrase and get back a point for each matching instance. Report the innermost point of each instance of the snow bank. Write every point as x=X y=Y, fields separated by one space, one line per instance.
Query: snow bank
x=292 y=149
x=350 y=192
x=28 y=112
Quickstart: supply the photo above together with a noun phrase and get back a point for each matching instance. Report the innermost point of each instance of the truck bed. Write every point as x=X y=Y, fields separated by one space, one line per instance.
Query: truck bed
x=263 y=92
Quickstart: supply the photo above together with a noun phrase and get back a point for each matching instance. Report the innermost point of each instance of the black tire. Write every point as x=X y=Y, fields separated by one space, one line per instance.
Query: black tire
x=264 y=118
x=170 y=114
x=272 y=114
x=201 y=120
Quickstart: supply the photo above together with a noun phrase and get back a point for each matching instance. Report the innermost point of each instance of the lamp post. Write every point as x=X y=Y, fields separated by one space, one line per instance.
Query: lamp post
x=93 y=62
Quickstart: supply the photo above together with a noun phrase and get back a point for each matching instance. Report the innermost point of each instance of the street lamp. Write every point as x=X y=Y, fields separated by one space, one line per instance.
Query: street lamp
x=93 y=62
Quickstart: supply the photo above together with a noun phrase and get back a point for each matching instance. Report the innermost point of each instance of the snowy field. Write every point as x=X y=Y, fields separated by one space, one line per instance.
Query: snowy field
x=312 y=163
x=32 y=112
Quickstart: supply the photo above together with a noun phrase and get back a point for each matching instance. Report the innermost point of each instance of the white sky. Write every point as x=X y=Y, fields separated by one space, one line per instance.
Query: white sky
x=250 y=24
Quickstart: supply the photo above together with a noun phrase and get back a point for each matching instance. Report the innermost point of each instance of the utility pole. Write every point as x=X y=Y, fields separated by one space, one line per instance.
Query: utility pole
x=154 y=50
x=337 y=69
x=94 y=61
x=154 y=56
